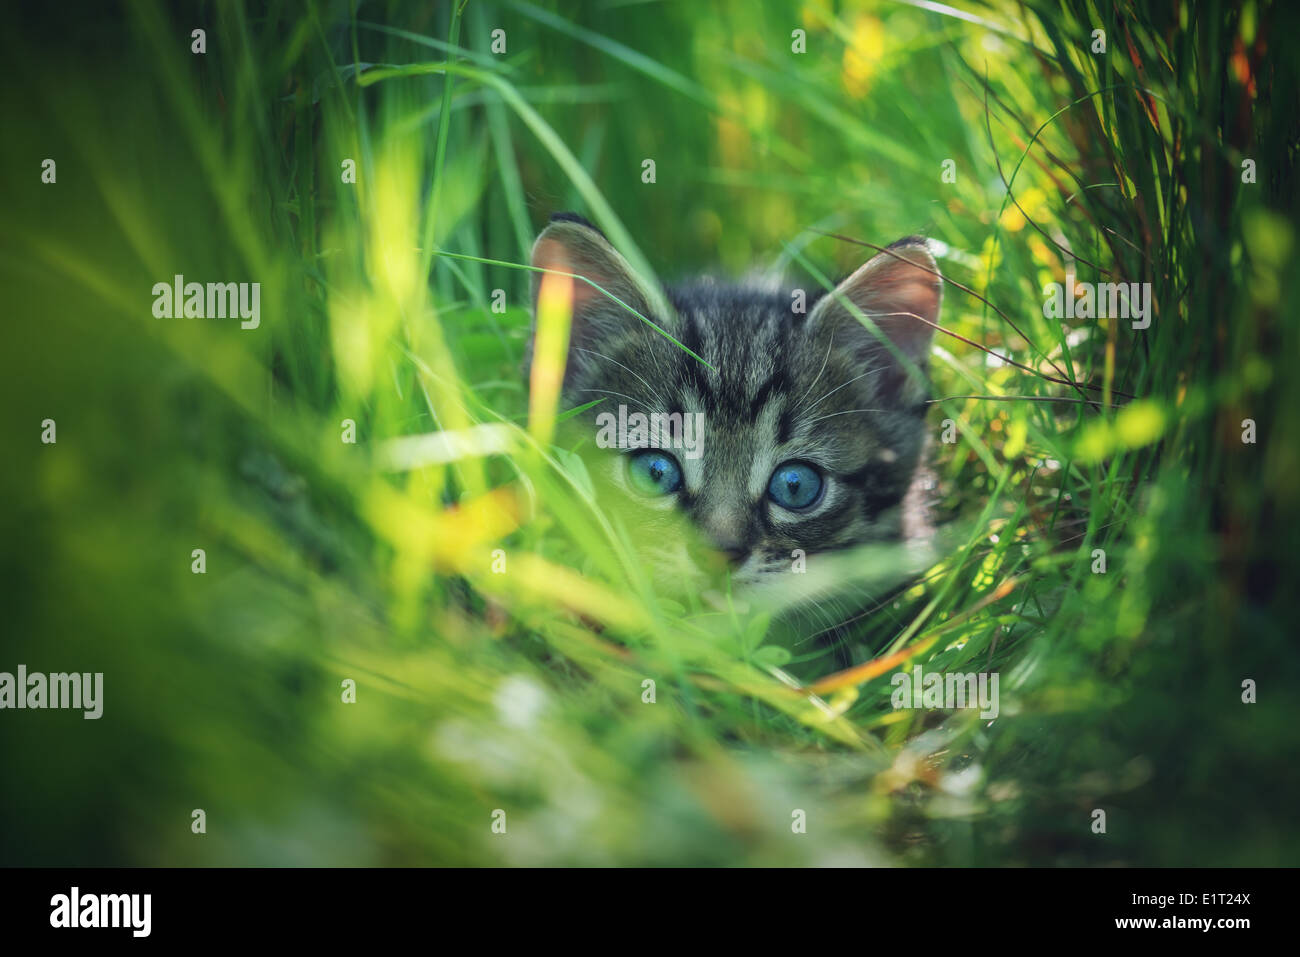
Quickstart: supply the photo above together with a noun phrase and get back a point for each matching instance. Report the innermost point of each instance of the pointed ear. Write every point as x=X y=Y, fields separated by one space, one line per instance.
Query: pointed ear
x=900 y=290
x=572 y=245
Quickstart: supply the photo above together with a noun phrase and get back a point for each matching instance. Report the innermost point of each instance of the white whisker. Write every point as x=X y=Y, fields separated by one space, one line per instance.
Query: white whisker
x=832 y=415
x=657 y=397
x=838 y=387
x=819 y=373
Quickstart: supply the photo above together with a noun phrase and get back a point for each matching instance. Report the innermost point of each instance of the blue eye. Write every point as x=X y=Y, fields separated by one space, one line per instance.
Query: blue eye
x=652 y=472
x=795 y=485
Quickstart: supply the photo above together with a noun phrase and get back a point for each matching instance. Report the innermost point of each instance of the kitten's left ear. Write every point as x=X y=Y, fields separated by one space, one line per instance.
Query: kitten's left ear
x=572 y=245
x=900 y=290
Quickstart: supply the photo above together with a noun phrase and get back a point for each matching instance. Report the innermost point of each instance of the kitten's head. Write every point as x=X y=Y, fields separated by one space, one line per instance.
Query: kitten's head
x=812 y=422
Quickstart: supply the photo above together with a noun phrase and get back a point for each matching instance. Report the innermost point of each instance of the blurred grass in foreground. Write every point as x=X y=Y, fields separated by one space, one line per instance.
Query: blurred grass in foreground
x=523 y=690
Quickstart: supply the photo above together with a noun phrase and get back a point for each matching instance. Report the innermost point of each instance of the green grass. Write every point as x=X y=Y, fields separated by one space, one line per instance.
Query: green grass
x=524 y=690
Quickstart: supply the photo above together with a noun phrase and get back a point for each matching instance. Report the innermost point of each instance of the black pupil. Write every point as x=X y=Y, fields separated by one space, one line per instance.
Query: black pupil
x=657 y=471
x=792 y=483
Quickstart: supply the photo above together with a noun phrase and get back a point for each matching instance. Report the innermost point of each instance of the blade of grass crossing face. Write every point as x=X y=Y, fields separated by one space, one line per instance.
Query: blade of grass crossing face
x=550 y=350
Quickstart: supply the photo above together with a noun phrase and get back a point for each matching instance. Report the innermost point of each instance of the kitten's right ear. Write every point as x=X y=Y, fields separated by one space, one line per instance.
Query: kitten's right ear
x=572 y=245
x=901 y=291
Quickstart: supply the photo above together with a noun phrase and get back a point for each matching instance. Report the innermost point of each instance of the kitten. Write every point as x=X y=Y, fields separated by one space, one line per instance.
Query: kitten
x=813 y=431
